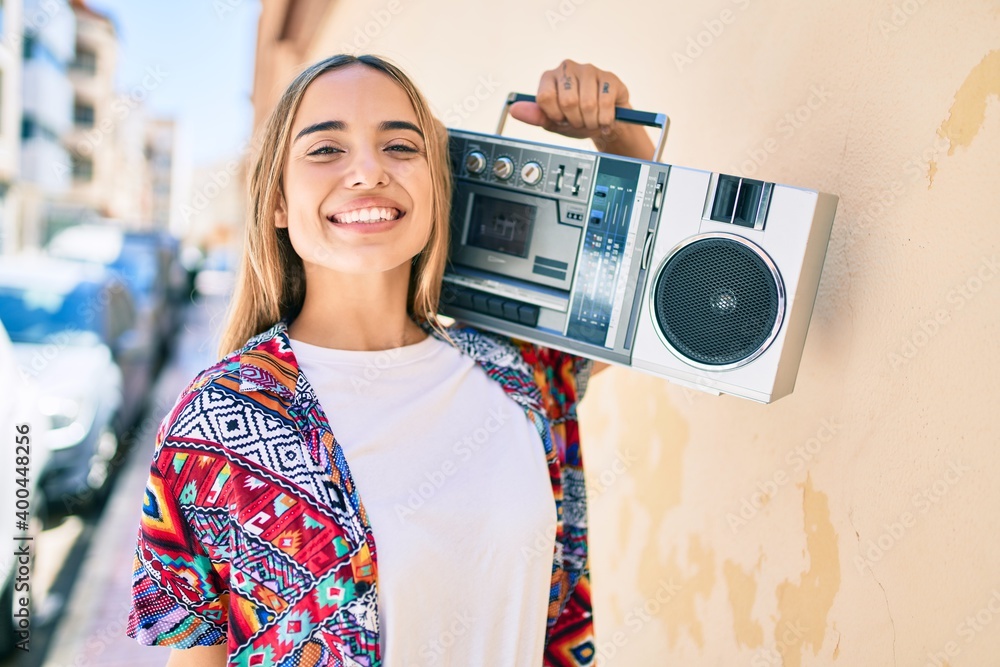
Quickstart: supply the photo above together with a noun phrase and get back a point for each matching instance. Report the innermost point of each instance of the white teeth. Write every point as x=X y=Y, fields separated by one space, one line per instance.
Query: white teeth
x=367 y=215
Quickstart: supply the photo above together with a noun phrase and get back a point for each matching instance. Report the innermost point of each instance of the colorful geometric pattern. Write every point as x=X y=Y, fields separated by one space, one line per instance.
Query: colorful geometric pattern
x=254 y=535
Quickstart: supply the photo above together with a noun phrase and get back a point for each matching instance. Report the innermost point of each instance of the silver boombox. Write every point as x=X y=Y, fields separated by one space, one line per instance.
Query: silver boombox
x=705 y=279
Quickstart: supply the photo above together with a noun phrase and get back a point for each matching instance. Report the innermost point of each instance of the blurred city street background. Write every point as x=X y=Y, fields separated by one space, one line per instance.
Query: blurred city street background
x=123 y=136
x=82 y=564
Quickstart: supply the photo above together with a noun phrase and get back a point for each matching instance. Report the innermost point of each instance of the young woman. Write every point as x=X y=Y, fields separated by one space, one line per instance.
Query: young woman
x=432 y=511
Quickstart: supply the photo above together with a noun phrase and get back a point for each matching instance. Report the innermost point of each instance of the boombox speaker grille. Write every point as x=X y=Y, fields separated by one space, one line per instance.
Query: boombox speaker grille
x=718 y=301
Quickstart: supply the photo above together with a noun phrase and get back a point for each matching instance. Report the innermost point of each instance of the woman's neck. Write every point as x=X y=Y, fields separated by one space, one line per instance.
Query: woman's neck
x=356 y=312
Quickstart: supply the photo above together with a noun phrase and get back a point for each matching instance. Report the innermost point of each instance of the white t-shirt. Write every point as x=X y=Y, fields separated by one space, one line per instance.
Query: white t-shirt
x=454 y=479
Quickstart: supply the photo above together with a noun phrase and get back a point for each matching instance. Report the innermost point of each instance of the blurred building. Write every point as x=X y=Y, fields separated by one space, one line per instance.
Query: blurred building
x=160 y=142
x=91 y=140
x=214 y=213
x=10 y=124
x=286 y=34
x=73 y=148
x=130 y=198
x=49 y=46
x=122 y=157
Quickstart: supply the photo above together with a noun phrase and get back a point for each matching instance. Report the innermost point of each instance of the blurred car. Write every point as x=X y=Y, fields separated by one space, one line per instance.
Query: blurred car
x=146 y=261
x=179 y=284
x=72 y=326
x=17 y=502
x=192 y=259
x=216 y=276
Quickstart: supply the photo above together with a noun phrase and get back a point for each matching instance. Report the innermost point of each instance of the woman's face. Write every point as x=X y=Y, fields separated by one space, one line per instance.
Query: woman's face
x=357 y=187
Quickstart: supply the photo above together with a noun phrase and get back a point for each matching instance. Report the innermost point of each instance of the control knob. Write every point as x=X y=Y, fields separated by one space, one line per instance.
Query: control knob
x=475 y=162
x=503 y=168
x=531 y=173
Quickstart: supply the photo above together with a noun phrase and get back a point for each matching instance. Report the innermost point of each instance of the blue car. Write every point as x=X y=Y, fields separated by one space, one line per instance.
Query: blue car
x=146 y=261
x=73 y=330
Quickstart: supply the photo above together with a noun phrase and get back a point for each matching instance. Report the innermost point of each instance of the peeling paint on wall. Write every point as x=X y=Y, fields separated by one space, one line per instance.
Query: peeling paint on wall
x=681 y=612
x=654 y=432
x=803 y=607
x=742 y=593
x=968 y=111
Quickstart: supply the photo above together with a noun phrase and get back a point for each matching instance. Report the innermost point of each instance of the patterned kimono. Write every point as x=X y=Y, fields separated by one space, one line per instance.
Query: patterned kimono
x=253 y=533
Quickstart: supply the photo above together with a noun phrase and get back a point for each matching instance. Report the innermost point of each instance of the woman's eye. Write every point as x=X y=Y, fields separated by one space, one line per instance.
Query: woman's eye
x=402 y=148
x=323 y=150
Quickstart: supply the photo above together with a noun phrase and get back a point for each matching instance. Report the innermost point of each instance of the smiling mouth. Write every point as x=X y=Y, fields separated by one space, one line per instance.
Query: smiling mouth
x=367 y=215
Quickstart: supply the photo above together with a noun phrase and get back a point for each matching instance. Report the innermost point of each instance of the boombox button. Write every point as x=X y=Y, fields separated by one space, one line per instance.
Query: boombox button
x=464 y=300
x=495 y=305
x=479 y=303
x=527 y=314
x=510 y=311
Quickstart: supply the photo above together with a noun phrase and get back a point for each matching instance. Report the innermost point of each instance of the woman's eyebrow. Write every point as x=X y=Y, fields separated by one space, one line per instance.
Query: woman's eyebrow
x=385 y=125
x=322 y=127
x=399 y=125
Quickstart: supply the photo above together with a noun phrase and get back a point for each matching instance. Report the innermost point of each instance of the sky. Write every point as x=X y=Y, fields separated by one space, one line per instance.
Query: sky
x=203 y=50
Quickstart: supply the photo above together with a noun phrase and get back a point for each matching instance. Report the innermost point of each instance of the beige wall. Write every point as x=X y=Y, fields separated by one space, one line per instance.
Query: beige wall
x=890 y=437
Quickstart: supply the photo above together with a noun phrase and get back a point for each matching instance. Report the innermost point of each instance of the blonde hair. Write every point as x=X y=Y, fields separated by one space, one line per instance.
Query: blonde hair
x=270 y=281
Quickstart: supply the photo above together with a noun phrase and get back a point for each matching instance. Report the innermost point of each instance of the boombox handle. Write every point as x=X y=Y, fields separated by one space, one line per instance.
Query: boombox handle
x=647 y=118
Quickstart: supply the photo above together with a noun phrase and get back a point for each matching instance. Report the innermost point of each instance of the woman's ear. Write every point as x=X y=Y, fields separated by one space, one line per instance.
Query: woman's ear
x=281 y=212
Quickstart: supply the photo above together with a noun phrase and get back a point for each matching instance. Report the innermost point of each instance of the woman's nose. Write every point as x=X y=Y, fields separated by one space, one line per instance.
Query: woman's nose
x=366 y=169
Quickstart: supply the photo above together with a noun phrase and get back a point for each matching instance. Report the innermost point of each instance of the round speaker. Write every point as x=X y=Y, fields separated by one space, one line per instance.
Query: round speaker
x=717 y=301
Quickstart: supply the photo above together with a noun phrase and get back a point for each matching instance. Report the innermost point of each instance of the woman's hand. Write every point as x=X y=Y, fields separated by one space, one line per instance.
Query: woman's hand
x=579 y=100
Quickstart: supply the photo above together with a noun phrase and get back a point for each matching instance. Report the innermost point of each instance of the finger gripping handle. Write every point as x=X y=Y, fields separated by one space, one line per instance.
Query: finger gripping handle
x=647 y=118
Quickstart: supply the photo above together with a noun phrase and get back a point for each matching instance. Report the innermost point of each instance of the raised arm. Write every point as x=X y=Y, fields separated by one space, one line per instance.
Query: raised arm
x=578 y=100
